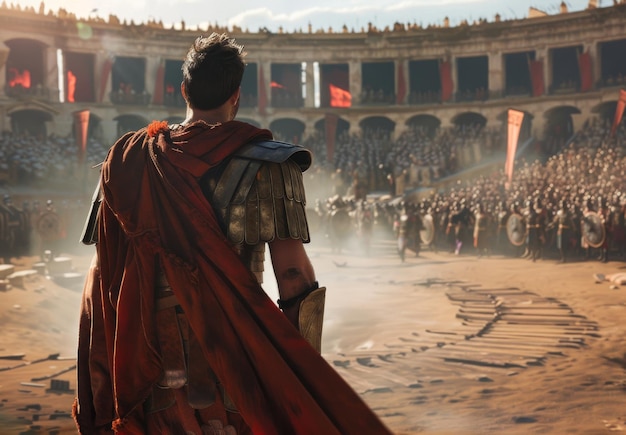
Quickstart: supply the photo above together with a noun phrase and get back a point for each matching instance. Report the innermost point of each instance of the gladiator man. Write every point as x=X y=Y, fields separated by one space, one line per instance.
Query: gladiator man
x=565 y=230
x=176 y=335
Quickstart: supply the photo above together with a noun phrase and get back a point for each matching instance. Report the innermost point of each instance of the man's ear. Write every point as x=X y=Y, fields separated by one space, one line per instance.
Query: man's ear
x=234 y=99
x=183 y=90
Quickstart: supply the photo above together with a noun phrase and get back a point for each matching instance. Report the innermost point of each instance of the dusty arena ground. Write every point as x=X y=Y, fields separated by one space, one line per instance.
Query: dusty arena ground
x=439 y=344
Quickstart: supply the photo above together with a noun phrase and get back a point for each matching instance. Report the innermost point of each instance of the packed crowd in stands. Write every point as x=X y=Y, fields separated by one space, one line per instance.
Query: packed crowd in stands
x=418 y=157
x=27 y=160
x=589 y=175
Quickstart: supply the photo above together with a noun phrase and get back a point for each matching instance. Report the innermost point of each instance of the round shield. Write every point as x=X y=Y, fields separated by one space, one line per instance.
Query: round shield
x=593 y=229
x=427 y=233
x=49 y=226
x=516 y=229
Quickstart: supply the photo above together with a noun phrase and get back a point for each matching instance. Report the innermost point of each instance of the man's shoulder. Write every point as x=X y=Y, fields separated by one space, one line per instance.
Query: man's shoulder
x=276 y=152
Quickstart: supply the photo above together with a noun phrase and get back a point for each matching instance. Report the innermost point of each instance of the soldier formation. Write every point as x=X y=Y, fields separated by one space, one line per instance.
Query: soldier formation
x=573 y=206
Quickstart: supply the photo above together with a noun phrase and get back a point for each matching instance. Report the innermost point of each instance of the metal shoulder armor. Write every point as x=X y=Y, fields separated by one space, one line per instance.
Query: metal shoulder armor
x=260 y=194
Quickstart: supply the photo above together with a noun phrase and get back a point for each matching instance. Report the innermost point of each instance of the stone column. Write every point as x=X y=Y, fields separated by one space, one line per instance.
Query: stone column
x=454 y=72
x=102 y=60
x=265 y=72
x=309 y=125
x=150 y=75
x=399 y=129
x=4 y=55
x=496 y=74
x=596 y=70
x=51 y=74
x=356 y=82
x=309 y=100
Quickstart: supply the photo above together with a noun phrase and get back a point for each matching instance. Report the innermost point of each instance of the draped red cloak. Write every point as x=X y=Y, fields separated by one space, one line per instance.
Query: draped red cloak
x=154 y=212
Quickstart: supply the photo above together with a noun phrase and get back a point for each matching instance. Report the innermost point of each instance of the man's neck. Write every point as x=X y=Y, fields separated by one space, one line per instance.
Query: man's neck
x=211 y=117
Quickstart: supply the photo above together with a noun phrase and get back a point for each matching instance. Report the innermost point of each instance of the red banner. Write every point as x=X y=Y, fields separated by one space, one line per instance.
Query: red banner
x=331 y=134
x=104 y=78
x=262 y=92
x=445 y=73
x=159 y=85
x=339 y=97
x=619 y=111
x=401 y=94
x=515 y=119
x=536 y=77
x=81 y=125
x=71 y=86
x=586 y=76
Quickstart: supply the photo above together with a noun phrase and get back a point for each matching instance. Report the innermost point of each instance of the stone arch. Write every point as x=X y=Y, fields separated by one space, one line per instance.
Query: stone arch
x=605 y=110
x=30 y=121
x=343 y=126
x=288 y=129
x=558 y=121
x=95 y=130
x=469 y=118
x=429 y=123
x=129 y=122
x=377 y=123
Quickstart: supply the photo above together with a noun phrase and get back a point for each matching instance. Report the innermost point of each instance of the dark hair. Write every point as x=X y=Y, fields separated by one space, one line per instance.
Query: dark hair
x=212 y=70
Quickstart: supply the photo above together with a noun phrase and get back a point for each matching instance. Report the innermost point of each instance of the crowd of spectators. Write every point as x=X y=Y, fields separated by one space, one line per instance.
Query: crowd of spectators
x=417 y=158
x=36 y=161
x=588 y=174
x=590 y=169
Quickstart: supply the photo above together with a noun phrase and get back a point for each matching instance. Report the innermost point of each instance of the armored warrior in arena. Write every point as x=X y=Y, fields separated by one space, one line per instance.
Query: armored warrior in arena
x=534 y=231
x=481 y=230
x=176 y=333
x=565 y=227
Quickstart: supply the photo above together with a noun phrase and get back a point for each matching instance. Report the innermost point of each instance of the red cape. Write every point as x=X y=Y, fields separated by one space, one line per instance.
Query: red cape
x=154 y=211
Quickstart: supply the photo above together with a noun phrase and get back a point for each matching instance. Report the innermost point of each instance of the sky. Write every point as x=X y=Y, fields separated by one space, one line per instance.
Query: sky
x=295 y=15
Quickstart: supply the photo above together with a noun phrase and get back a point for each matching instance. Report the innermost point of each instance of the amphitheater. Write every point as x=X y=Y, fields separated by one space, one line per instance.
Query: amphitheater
x=560 y=70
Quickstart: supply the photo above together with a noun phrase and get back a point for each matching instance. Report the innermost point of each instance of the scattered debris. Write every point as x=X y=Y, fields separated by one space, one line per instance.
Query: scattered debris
x=59 y=386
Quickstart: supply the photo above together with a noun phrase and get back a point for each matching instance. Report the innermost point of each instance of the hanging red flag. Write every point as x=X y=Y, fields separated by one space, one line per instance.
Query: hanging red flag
x=277 y=85
x=339 y=97
x=586 y=76
x=445 y=73
x=71 y=86
x=536 y=77
x=262 y=92
x=159 y=85
x=401 y=84
x=81 y=125
x=515 y=119
x=619 y=111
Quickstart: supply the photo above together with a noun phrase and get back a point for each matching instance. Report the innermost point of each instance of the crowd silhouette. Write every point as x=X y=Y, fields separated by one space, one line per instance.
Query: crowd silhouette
x=586 y=173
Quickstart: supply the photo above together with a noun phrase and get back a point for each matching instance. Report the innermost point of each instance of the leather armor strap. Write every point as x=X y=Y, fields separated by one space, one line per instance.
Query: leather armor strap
x=284 y=304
